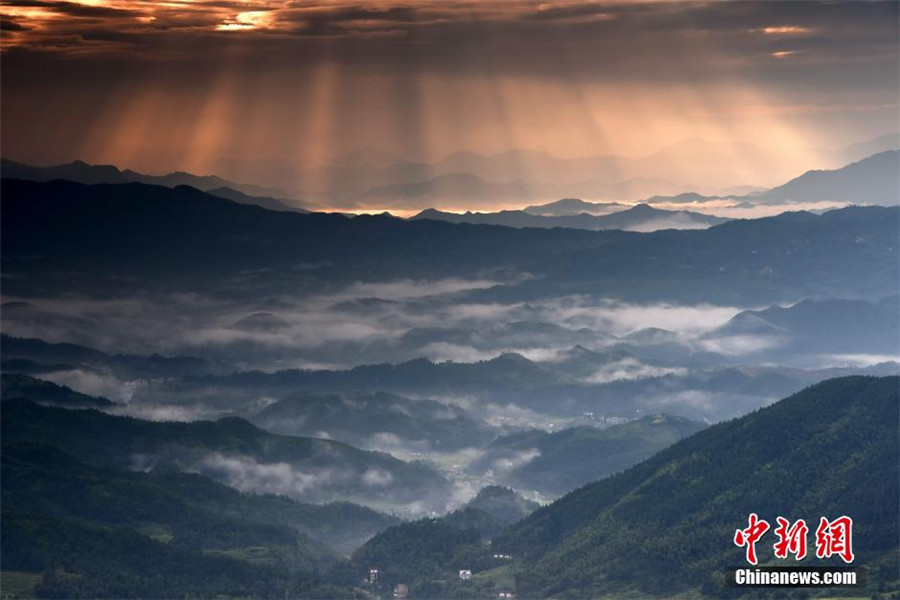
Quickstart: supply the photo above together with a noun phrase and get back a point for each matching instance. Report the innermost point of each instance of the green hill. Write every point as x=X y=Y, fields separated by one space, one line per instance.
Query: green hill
x=230 y=450
x=504 y=504
x=23 y=387
x=342 y=526
x=666 y=525
x=568 y=459
x=428 y=554
x=42 y=479
x=92 y=531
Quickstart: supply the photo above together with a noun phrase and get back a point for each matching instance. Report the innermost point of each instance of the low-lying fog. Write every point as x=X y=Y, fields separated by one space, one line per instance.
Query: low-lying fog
x=547 y=365
x=363 y=324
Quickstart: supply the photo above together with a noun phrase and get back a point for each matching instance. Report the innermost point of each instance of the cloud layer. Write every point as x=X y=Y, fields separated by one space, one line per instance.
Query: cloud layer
x=244 y=85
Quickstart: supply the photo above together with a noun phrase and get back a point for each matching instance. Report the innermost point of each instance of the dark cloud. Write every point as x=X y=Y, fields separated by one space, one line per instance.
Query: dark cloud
x=10 y=24
x=798 y=54
x=594 y=40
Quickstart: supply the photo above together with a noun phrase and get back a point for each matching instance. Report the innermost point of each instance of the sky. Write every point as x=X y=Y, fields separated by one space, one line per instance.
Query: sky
x=226 y=85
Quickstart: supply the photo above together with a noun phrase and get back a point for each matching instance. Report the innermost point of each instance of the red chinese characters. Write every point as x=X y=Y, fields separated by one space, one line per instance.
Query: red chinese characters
x=835 y=537
x=791 y=538
x=748 y=537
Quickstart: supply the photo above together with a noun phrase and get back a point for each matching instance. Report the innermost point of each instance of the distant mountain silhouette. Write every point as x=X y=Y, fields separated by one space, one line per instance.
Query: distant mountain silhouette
x=82 y=172
x=685 y=198
x=370 y=177
x=264 y=201
x=77 y=170
x=573 y=206
x=742 y=251
x=468 y=189
x=667 y=171
x=37 y=356
x=376 y=174
x=873 y=180
x=112 y=235
x=642 y=217
x=823 y=326
x=861 y=150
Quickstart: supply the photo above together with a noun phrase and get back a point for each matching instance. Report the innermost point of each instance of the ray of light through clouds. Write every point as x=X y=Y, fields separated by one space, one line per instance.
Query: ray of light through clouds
x=256 y=88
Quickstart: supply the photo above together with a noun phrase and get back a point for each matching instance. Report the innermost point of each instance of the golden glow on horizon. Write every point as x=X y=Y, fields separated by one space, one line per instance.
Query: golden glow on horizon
x=721 y=207
x=785 y=30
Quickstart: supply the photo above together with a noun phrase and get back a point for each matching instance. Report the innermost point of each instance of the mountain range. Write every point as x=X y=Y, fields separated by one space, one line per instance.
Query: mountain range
x=872 y=180
x=467 y=189
x=81 y=172
x=373 y=179
x=548 y=388
x=573 y=206
x=666 y=526
x=456 y=371
x=376 y=420
x=825 y=449
x=371 y=176
x=641 y=217
x=59 y=232
x=29 y=355
x=816 y=327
